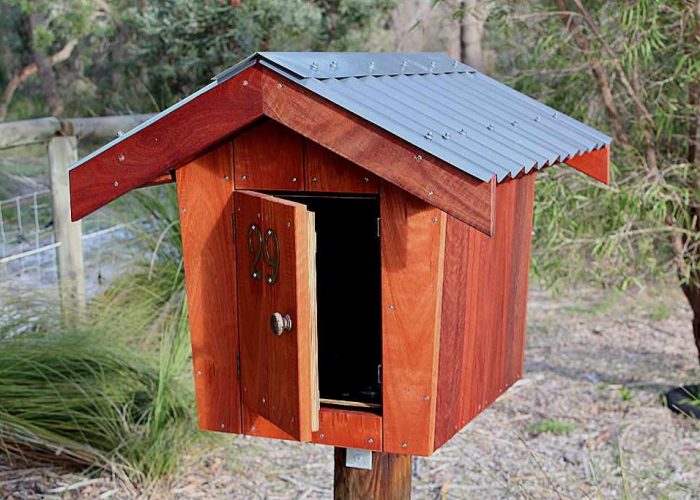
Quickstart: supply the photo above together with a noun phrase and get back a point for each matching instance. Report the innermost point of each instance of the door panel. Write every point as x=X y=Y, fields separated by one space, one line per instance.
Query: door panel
x=275 y=240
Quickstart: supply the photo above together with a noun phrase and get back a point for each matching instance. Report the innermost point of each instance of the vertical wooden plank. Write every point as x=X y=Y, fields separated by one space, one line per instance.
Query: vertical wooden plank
x=389 y=479
x=482 y=339
x=327 y=172
x=63 y=151
x=205 y=199
x=412 y=250
x=269 y=156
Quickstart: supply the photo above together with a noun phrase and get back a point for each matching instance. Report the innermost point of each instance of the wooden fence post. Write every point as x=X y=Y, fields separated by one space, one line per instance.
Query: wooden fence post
x=63 y=151
x=389 y=479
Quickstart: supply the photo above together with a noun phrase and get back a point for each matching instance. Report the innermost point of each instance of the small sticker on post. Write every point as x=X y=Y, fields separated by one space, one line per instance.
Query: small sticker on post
x=358 y=459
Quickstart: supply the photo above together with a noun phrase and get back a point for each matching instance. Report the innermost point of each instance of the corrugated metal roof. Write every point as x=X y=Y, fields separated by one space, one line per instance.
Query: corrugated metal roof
x=440 y=105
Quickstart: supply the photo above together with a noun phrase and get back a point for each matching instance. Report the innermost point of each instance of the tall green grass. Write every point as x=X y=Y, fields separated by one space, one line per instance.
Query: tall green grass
x=112 y=389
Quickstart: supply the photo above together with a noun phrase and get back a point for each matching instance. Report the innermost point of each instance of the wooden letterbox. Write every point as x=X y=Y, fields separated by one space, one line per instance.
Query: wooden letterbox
x=353 y=279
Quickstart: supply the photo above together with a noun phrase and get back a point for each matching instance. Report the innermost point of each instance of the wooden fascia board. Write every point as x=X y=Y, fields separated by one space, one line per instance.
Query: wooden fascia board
x=436 y=182
x=595 y=164
x=167 y=144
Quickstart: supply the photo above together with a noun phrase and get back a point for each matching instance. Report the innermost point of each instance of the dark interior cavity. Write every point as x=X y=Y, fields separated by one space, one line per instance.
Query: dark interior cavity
x=348 y=267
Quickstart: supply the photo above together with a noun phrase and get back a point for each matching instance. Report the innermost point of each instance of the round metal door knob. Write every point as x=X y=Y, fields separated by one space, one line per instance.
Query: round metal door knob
x=280 y=323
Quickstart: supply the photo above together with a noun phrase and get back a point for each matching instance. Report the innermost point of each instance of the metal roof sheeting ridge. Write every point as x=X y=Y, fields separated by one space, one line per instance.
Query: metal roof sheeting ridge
x=438 y=104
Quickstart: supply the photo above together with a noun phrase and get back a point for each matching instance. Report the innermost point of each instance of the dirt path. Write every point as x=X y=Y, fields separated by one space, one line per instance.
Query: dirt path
x=584 y=422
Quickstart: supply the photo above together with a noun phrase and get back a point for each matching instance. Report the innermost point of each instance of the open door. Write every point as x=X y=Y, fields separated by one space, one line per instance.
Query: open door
x=275 y=248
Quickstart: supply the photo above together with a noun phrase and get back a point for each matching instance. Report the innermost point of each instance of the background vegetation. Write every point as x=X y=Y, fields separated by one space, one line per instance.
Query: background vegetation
x=630 y=68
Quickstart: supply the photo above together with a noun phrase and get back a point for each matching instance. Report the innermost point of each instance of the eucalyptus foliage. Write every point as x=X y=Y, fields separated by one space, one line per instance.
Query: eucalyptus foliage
x=185 y=42
x=630 y=68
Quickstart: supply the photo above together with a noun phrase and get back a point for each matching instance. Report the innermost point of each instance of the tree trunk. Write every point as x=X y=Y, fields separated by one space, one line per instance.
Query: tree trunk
x=389 y=479
x=471 y=33
x=692 y=293
x=45 y=68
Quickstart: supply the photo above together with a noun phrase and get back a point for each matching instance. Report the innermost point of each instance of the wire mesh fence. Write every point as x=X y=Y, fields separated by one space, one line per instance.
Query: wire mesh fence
x=28 y=245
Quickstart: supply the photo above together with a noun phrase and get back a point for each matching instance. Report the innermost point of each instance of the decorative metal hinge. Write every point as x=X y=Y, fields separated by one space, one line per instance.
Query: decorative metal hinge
x=238 y=365
x=379 y=228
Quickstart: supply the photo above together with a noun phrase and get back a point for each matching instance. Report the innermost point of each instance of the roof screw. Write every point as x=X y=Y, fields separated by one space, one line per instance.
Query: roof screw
x=455 y=63
x=432 y=66
x=334 y=64
x=514 y=123
x=314 y=66
x=446 y=136
x=491 y=127
x=245 y=83
x=404 y=445
x=429 y=136
x=370 y=440
x=538 y=118
x=430 y=193
x=371 y=65
x=404 y=63
x=554 y=115
x=294 y=179
x=314 y=179
x=244 y=177
x=121 y=158
x=365 y=178
x=279 y=85
x=119 y=133
x=418 y=157
x=115 y=184
x=463 y=131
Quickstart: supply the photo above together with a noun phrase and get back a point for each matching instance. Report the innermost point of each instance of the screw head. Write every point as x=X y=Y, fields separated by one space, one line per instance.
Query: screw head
x=391 y=307
x=429 y=135
x=404 y=445
x=199 y=372
x=294 y=179
x=426 y=398
x=370 y=440
x=314 y=179
x=279 y=86
x=435 y=220
x=365 y=178
x=223 y=426
x=289 y=224
x=430 y=193
x=244 y=177
x=225 y=177
x=121 y=157
x=269 y=279
x=115 y=184
x=418 y=157
x=245 y=83
x=321 y=436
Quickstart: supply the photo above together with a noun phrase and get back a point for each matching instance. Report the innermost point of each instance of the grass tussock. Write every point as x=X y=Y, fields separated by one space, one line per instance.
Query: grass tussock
x=110 y=388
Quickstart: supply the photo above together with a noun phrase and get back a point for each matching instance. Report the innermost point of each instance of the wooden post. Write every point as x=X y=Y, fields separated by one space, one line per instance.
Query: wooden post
x=63 y=151
x=389 y=479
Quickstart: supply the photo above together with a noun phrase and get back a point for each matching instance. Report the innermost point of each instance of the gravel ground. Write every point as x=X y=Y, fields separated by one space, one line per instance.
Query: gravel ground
x=585 y=421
